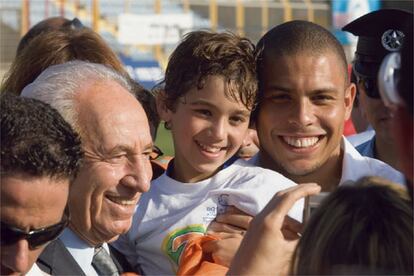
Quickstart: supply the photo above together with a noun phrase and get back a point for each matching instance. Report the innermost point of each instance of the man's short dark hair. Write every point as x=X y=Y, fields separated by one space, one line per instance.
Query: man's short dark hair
x=36 y=140
x=295 y=37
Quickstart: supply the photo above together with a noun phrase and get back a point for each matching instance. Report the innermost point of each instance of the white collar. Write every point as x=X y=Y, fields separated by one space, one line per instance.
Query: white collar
x=353 y=163
x=80 y=250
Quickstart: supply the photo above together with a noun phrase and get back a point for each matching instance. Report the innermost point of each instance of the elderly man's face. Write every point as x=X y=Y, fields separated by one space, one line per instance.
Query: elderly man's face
x=28 y=203
x=116 y=170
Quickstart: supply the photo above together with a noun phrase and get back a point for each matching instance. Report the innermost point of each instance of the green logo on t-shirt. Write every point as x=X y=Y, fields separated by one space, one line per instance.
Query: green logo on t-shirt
x=175 y=242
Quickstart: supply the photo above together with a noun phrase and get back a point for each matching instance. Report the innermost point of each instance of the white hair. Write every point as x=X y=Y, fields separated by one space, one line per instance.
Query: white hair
x=59 y=84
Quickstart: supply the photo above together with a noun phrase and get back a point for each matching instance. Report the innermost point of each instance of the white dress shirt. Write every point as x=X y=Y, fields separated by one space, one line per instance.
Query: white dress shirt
x=81 y=251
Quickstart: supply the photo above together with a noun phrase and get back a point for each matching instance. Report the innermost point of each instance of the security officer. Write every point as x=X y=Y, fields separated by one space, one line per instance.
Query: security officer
x=395 y=82
x=379 y=33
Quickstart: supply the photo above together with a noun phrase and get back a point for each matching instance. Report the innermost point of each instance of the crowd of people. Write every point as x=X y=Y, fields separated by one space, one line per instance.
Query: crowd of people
x=257 y=131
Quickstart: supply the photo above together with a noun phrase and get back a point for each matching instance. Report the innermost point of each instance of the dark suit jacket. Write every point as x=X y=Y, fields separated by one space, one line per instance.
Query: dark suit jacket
x=56 y=260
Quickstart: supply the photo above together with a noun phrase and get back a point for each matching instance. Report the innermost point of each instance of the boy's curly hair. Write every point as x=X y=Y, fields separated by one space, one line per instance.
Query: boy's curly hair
x=202 y=54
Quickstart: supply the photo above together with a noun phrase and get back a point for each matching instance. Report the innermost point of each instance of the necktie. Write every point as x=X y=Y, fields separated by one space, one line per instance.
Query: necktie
x=103 y=263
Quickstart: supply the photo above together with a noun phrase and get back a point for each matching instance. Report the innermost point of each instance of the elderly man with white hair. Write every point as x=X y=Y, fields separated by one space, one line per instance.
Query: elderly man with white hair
x=115 y=136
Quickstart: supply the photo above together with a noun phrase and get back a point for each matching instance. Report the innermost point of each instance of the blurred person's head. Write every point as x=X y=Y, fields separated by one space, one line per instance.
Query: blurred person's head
x=98 y=103
x=358 y=117
x=364 y=228
x=147 y=100
x=250 y=145
x=40 y=156
x=304 y=99
x=47 y=25
x=206 y=99
x=57 y=47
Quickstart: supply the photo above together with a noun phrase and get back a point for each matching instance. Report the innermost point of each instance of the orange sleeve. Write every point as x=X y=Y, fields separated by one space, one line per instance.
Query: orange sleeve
x=194 y=261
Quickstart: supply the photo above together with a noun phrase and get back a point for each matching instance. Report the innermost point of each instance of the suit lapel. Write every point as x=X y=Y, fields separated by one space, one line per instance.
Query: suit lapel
x=56 y=260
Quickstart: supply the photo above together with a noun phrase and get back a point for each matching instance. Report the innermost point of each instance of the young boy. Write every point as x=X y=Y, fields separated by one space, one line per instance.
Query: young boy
x=209 y=90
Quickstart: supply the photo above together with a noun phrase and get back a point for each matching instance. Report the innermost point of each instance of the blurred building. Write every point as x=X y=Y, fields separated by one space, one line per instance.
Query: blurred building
x=144 y=32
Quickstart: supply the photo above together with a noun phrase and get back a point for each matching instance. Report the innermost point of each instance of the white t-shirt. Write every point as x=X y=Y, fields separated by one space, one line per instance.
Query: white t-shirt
x=172 y=211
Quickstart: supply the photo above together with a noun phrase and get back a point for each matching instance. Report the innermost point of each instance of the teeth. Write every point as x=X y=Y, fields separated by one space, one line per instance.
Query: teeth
x=211 y=149
x=121 y=201
x=301 y=142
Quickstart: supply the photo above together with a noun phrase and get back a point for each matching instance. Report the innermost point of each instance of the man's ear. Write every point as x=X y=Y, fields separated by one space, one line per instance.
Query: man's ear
x=163 y=111
x=349 y=98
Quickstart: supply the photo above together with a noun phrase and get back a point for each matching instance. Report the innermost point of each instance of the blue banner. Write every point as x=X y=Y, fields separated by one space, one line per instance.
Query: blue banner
x=146 y=72
x=345 y=11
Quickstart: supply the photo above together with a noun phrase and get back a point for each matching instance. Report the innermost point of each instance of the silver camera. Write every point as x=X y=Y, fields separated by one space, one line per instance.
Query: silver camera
x=312 y=203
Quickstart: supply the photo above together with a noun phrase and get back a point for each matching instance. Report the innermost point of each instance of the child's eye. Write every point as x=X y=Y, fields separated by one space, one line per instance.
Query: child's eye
x=203 y=112
x=237 y=120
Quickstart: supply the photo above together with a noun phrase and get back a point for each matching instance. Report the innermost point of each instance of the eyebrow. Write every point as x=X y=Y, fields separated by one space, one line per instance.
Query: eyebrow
x=126 y=148
x=149 y=146
x=273 y=88
x=207 y=103
x=203 y=102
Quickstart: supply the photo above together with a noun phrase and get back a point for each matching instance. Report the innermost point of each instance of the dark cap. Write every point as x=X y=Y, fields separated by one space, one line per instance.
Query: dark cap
x=379 y=33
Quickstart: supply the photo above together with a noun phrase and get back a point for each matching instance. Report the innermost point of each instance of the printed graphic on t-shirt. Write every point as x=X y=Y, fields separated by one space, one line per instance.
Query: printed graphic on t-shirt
x=175 y=242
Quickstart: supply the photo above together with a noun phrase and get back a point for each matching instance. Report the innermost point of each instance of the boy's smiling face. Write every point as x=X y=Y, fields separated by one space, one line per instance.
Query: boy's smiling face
x=208 y=128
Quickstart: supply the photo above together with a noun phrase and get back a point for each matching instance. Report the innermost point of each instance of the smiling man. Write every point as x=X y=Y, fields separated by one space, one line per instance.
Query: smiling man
x=304 y=99
x=40 y=155
x=116 y=139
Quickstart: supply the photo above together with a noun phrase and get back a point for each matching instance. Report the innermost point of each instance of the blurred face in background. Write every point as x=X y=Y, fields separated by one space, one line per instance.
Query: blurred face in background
x=377 y=114
x=250 y=145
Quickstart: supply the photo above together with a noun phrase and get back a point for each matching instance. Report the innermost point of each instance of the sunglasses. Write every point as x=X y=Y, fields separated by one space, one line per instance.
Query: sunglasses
x=156 y=152
x=36 y=237
x=369 y=86
x=74 y=24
